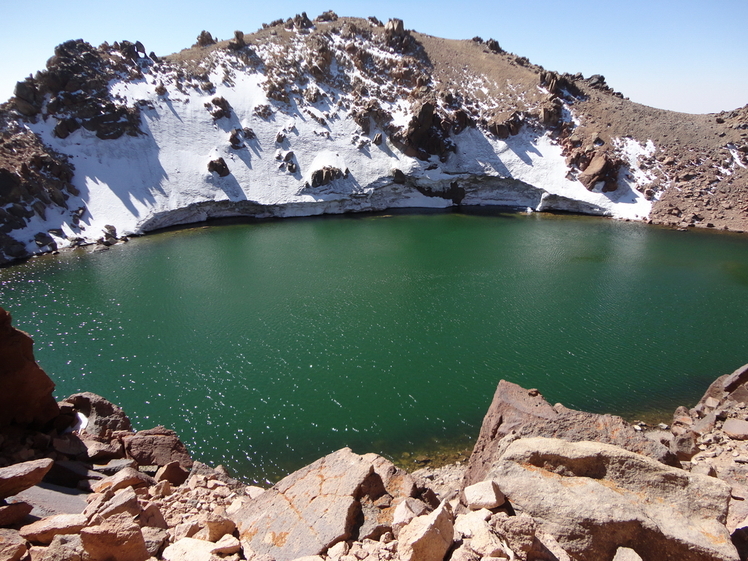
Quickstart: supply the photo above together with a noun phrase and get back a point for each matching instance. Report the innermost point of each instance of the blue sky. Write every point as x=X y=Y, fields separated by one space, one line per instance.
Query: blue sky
x=689 y=56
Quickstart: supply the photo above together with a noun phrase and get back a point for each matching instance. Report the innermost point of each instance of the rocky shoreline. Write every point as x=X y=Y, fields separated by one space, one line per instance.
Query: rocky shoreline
x=543 y=482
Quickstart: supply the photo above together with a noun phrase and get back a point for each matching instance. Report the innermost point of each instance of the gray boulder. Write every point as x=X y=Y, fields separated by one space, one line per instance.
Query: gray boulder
x=594 y=498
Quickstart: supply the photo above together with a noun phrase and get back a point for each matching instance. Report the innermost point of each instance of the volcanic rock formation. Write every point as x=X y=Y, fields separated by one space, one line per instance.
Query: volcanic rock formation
x=107 y=136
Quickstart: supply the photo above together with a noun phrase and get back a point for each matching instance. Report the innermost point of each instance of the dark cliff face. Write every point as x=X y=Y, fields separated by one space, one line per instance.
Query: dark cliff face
x=25 y=390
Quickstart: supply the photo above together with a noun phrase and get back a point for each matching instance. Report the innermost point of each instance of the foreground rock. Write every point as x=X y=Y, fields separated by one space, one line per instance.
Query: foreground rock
x=340 y=497
x=594 y=498
x=544 y=484
x=25 y=390
x=710 y=438
x=20 y=477
x=12 y=545
x=427 y=538
x=525 y=412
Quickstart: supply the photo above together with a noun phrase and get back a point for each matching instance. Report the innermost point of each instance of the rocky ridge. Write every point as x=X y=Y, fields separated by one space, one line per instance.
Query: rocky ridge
x=543 y=483
x=341 y=114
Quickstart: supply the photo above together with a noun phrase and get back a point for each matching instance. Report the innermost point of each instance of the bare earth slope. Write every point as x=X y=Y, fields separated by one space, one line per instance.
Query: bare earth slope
x=341 y=115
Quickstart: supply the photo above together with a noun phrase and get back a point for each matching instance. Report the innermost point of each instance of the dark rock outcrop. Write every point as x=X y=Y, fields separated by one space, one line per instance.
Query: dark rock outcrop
x=238 y=41
x=603 y=168
x=426 y=135
x=327 y=175
x=218 y=108
x=25 y=390
x=219 y=166
x=505 y=126
x=205 y=39
x=493 y=46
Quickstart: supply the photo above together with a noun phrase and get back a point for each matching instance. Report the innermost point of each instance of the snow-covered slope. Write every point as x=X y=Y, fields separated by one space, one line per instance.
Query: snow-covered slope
x=297 y=146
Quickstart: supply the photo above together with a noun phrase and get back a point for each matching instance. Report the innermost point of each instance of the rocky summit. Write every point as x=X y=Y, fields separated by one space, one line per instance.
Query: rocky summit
x=337 y=114
x=544 y=483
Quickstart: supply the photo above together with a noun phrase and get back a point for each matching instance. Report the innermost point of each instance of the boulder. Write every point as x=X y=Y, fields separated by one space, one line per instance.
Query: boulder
x=526 y=413
x=189 y=549
x=114 y=466
x=326 y=175
x=124 y=500
x=326 y=502
x=27 y=99
x=684 y=446
x=102 y=416
x=214 y=527
x=158 y=446
x=151 y=516
x=219 y=166
x=485 y=494
x=519 y=533
x=12 y=545
x=730 y=388
x=154 y=538
x=406 y=511
x=463 y=552
x=173 y=473
x=428 y=537
x=733 y=381
x=185 y=530
x=493 y=46
x=44 y=530
x=626 y=554
x=97 y=450
x=219 y=108
x=19 y=477
x=512 y=407
x=594 y=498
x=65 y=127
x=477 y=532
x=25 y=390
x=237 y=42
x=217 y=474
x=394 y=27
x=736 y=429
x=506 y=125
x=64 y=547
x=205 y=39
x=227 y=545
x=398 y=176
x=13 y=513
x=601 y=168
x=118 y=538
x=127 y=477
x=576 y=426
x=69 y=445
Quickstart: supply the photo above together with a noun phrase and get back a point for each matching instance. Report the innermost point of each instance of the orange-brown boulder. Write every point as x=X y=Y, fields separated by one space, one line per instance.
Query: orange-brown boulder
x=25 y=390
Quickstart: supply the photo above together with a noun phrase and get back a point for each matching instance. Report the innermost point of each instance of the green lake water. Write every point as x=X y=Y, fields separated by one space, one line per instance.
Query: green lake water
x=267 y=345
